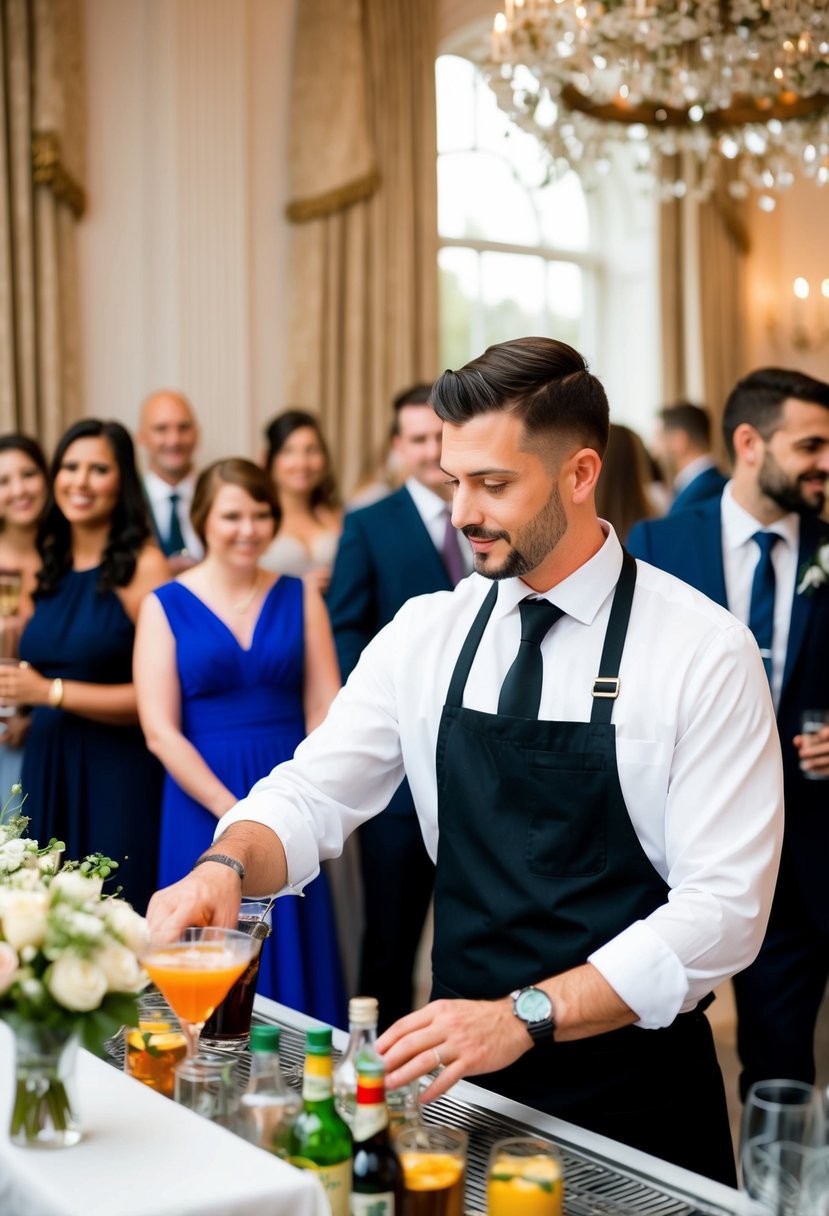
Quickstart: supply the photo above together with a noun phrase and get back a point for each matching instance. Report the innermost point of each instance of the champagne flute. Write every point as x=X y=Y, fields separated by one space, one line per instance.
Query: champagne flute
x=195 y=973
x=782 y=1125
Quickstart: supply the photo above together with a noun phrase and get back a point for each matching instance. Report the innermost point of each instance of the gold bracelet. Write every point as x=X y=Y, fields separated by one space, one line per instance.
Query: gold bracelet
x=55 y=695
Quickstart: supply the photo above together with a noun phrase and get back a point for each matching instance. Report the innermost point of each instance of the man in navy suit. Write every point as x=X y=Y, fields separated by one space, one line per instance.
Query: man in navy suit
x=685 y=447
x=776 y=427
x=397 y=548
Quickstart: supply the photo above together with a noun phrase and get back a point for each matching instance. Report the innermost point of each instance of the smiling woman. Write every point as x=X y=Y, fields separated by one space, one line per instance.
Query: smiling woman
x=88 y=775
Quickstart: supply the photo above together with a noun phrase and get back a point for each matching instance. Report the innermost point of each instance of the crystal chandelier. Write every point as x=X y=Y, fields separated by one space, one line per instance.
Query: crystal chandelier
x=686 y=85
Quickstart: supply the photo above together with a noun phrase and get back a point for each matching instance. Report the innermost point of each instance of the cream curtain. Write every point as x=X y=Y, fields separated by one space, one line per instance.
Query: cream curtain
x=363 y=278
x=41 y=197
x=704 y=315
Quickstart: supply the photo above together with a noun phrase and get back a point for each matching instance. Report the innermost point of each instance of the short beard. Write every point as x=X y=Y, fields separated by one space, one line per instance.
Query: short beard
x=786 y=494
x=535 y=541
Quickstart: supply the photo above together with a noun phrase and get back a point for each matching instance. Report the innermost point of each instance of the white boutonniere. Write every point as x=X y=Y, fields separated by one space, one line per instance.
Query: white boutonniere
x=816 y=572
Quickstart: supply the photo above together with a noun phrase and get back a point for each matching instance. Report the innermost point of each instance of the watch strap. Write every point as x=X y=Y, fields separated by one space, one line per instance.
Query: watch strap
x=223 y=860
x=541 y=1032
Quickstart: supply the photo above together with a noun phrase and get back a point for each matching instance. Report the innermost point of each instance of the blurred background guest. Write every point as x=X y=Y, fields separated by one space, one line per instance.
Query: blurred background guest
x=311 y=519
x=23 y=493
x=683 y=446
x=89 y=777
x=623 y=494
x=168 y=433
x=232 y=665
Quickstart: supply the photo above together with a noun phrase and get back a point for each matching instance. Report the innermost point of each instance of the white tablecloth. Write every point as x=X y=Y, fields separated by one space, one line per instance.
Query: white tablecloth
x=142 y=1155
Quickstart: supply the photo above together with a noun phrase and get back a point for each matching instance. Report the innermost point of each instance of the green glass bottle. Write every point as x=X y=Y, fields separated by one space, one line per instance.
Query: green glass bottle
x=320 y=1140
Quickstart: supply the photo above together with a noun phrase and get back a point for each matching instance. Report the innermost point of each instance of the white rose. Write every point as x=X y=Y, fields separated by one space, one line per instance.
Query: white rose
x=76 y=983
x=77 y=886
x=127 y=924
x=49 y=862
x=121 y=968
x=24 y=916
x=8 y=967
x=11 y=855
x=86 y=925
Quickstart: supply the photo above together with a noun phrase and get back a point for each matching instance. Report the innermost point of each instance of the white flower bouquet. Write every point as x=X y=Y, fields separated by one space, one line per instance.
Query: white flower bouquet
x=816 y=572
x=68 y=957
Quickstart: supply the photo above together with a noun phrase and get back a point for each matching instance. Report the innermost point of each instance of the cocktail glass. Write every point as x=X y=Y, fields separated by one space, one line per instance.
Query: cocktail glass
x=196 y=972
x=524 y=1178
x=434 y=1170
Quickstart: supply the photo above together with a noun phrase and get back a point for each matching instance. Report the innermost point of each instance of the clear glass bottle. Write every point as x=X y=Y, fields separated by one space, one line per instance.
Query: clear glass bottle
x=268 y=1107
x=362 y=1035
x=377 y=1187
x=320 y=1140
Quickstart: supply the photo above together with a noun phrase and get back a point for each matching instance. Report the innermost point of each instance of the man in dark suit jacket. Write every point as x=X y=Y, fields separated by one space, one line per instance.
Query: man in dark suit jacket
x=397 y=548
x=776 y=426
x=685 y=447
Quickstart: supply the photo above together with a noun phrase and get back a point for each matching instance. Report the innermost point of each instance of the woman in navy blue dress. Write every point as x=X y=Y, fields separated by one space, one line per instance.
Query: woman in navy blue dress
x=232 y=665
x=88 y=776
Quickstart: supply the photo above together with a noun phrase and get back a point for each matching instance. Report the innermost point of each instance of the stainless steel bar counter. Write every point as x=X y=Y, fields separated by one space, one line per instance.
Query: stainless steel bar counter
x=602 y=1177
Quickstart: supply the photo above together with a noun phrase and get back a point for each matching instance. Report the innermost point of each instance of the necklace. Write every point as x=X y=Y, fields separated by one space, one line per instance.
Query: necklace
x=244 y=604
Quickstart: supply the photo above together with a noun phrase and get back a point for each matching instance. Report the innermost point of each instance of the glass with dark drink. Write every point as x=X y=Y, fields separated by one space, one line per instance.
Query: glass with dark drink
x=434 y=1170
x=229 y=1024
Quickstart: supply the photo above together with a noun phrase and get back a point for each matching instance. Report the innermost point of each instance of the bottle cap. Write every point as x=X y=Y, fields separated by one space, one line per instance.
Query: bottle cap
x=363 y=1011
x=318 y=1041
x=264 y=1038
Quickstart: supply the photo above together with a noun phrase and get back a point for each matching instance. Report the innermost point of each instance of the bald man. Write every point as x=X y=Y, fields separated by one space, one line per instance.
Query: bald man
x=168 y=433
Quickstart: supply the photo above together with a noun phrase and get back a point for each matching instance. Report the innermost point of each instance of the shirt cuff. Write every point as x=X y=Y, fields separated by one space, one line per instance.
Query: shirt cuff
x=293 y=830
x=645 y=973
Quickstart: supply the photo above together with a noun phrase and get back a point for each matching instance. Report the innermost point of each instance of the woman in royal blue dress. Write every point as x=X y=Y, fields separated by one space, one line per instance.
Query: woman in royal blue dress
x=87 y=774
x=233 y=665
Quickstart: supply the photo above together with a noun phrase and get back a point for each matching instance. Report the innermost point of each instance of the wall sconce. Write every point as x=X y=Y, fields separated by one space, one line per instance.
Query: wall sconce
x=810 y=315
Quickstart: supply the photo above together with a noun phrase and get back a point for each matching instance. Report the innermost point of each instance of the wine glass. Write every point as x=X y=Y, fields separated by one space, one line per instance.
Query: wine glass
x=196 y=972
x=814 y=1185
x=782 y=1126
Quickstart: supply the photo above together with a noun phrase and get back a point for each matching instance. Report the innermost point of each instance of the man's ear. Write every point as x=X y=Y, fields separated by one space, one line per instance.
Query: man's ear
x=749 y=445
x=583 y=469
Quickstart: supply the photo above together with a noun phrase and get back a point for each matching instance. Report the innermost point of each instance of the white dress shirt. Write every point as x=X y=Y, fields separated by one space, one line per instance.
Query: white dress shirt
x=696 y=744
x=433 y=510
x=158 y=493
x=740 y=556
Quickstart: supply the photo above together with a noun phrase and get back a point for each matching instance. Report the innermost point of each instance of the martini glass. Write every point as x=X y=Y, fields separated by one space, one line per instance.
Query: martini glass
x=196 y=972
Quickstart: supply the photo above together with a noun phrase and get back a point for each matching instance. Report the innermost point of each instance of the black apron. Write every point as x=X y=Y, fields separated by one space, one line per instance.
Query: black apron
x=538 y=865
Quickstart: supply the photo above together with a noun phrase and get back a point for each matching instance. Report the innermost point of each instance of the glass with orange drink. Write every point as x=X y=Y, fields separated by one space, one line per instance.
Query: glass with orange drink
x=434 y=1170
x=153 y=1048
x=525 y=1178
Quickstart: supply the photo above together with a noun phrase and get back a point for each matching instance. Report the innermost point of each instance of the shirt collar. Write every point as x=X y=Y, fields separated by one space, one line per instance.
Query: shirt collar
x=430 y=506
x=582 y=593
x=693 y=469
x=159 y=490
x=739 y=525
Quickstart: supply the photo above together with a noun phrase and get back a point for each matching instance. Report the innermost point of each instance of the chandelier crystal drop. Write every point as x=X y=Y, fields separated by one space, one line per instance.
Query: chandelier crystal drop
x=687 y=85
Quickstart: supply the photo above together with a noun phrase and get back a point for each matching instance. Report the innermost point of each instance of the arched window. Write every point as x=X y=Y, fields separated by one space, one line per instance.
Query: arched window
x=522 y=254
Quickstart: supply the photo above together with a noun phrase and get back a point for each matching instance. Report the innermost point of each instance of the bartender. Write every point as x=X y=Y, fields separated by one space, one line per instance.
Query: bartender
x=593 y=756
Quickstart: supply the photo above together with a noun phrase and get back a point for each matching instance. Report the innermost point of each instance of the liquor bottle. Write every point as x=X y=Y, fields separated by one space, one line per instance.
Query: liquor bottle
x=268 y=1107
x=320 y=1140
x=377 y=1186
x=362 y=1035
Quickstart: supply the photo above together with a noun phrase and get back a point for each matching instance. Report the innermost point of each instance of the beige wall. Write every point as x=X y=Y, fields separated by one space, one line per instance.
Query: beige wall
x=183 y=248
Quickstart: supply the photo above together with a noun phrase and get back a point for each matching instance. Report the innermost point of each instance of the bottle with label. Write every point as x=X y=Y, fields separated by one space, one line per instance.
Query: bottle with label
x=377 y=1187
x=362 y=1035
x=320 y=1140
x=268 y=1108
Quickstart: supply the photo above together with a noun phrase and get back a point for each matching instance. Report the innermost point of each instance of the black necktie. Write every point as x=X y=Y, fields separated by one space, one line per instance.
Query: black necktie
x=521 y=691
x=175 y=537
x=761 y=611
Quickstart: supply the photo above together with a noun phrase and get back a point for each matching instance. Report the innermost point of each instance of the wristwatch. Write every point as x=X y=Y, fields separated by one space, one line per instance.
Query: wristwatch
x=534 y=1008
x=223 y=860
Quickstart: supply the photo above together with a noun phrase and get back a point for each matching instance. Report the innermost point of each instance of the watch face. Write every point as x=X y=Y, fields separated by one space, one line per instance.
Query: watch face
x=533 y=1005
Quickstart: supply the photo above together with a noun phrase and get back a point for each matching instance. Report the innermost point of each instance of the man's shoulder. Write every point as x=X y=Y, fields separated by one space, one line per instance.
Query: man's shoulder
x=670 y=530
x=669 y=594
x=377 y=515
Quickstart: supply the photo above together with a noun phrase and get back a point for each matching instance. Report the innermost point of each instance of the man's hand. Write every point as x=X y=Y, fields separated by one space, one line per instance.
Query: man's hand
x=814 y=751
x=464 y=1037
x=210 y=895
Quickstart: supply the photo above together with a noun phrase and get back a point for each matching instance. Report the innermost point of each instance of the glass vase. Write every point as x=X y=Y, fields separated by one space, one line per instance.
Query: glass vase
x=43 y=1114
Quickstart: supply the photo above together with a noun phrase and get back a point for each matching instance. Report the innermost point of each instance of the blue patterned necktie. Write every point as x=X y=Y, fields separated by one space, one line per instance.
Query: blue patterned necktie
x=761 y=611
x=521 y=691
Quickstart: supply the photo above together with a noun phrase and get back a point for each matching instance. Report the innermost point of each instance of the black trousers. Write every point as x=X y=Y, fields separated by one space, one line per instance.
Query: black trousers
x=397 y=885
x=660 y=1091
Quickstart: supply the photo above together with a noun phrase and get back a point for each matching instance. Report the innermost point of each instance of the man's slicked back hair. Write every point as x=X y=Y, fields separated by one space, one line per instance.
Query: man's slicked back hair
x=758 y=399
x=544 y=382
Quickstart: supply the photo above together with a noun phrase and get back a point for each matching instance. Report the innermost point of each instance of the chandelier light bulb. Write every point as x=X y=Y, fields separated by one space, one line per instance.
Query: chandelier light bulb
x=801 y=288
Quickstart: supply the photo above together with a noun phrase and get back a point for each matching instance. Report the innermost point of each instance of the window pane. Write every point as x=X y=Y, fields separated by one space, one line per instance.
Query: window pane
x=514 y=296
x=565 y=302
x=562 y=208
x=458 y=282
x=479 y=199
x=455 y=85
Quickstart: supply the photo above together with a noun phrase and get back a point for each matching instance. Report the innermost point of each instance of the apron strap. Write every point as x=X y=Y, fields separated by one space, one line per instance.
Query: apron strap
x=457 y=684
x=606 y=684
